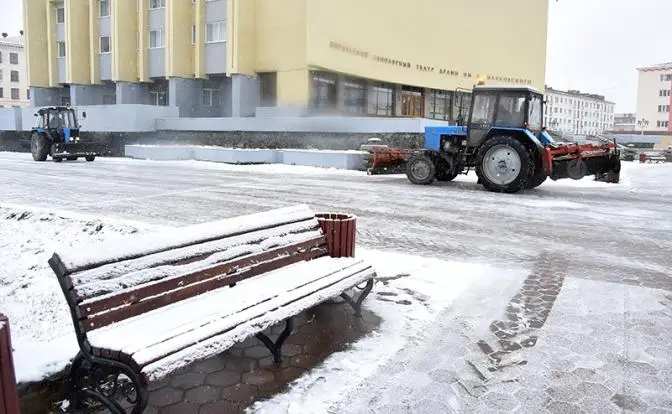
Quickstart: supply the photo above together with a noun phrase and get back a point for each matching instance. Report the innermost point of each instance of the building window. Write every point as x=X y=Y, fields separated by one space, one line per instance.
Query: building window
x=439 y=104
x=14 y=76
x=268 y=84
x=104 y=8
x=324 y=95
x=105 y=44
x=355 y=96
x=663 y=108
x=60 y=14
x=15 y=94
x=210 y=97
x=27 y=93
x=461 y=107
x=157 y=4
x=215 y=32
x=60 y=50
x=0 y=75
x=158 y=98
x=156 y=39
x=193 y=34
x=13 y=58
x=0 y=57
x=664 y=92
x=666 y=78
x=381 y=100
x=412 y=102
x=109 y=99
x=2 y=92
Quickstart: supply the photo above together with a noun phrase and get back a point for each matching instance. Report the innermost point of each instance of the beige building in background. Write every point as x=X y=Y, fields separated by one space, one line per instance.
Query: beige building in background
x=654 y=94
x=13 y=83
x=230 y=57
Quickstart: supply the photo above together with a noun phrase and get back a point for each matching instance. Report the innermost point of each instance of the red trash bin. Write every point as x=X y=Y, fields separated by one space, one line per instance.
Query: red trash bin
x=340 y=230
x=642 y=157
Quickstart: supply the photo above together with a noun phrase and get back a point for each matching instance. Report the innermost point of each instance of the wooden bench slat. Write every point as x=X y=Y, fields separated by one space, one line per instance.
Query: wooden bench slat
x=148 y=329
x=167 y=298
x=129 y=296
x=251 y=321
x=105 y=286
x=90 y=256
x=191 y=254
x=261 y=306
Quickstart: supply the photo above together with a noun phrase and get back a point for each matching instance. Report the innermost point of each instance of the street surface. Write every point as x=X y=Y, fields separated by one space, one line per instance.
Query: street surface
x=580 y=320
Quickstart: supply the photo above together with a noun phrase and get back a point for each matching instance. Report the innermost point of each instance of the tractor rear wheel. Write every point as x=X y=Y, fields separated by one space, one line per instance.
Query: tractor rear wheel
x=420 y=170
x=39 y=146
x=503 y=165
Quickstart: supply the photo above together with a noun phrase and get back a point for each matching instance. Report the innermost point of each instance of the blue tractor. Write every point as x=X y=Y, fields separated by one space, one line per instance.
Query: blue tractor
x=57 y=135
x=505 y=142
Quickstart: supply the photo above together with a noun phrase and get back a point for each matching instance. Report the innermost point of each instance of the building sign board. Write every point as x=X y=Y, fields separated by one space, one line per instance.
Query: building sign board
x=424 y=68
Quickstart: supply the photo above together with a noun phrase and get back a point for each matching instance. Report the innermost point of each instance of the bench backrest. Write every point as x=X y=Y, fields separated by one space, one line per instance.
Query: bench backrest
x=113 y=281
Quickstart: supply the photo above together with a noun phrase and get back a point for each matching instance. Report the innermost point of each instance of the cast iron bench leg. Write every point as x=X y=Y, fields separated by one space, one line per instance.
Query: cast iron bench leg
x=88 y=373
x=357 y=303
x=276 y=347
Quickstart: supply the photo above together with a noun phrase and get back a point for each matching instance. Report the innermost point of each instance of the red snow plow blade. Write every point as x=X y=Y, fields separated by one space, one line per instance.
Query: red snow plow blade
x=386 y=160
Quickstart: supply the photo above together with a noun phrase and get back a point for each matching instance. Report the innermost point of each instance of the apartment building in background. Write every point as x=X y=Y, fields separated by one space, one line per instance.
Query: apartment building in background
x=625 y=122
x=13 y=83
x=654 y=97
x=574 y=112
x=230 y=57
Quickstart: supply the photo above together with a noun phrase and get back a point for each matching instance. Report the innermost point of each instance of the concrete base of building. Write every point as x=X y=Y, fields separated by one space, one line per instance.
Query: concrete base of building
x=346 y=160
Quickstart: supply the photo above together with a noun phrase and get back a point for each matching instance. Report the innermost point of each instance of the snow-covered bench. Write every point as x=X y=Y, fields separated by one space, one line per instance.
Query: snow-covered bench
x=147 y=305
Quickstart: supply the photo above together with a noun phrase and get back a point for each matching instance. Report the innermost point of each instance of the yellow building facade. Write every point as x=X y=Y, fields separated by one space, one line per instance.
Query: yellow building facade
x=228 y=57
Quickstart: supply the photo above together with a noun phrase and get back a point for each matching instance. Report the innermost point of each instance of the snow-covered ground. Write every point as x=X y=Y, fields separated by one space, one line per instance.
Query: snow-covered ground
x=604 y=250
x=43 y=337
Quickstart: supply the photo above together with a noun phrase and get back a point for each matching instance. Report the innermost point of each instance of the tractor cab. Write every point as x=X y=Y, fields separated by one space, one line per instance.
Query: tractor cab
x=505 y=108
x=59 y=123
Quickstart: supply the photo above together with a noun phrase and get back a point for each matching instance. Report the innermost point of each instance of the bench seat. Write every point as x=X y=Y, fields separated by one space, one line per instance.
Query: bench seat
x=169 y=338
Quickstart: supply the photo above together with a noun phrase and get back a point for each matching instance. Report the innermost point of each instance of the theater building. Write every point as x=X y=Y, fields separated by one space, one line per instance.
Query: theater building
x=215 y=58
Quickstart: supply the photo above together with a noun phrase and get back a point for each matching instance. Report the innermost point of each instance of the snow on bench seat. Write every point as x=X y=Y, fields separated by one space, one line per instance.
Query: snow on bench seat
x=174 y=336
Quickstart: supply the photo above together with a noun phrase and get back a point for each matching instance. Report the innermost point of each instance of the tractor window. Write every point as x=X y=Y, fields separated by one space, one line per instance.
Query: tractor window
x=535 y=118
x=483 y=109
x=511 y=111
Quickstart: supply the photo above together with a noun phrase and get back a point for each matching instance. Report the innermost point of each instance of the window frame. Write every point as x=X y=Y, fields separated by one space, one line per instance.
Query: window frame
x=109 y=45
x=222 y=31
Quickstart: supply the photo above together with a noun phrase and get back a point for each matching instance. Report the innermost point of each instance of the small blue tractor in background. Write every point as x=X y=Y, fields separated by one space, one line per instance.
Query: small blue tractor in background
x=505 y=142
x=57 y=135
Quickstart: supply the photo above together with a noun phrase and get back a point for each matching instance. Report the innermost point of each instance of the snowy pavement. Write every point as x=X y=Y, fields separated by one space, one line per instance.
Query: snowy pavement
x=571 y=290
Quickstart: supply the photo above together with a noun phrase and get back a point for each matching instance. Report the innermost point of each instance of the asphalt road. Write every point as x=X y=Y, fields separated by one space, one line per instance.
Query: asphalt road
x=594 y=287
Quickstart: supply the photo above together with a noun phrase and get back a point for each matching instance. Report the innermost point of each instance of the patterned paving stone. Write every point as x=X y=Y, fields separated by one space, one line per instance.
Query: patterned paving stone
x=223 y=378
x=187 y=380
x=203 y=394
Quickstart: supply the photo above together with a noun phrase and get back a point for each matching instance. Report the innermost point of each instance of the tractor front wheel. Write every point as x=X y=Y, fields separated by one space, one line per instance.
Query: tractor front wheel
x=420 y=170
x=39 y=147
x=503 y=165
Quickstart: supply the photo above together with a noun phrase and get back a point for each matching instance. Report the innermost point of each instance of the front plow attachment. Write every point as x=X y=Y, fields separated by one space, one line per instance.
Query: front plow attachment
x=384 y=160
